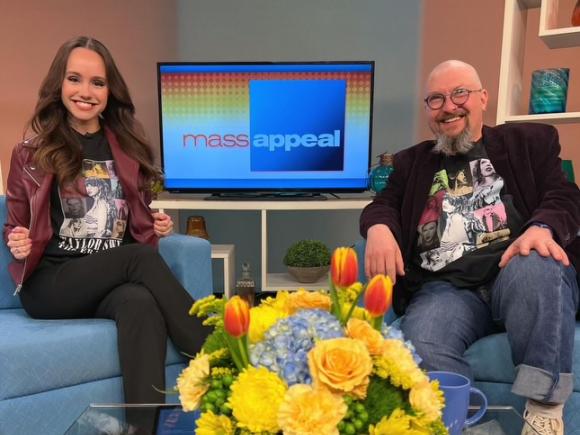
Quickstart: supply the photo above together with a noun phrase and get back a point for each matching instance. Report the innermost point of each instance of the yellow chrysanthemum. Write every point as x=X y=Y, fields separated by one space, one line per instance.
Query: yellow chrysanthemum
x=397 y=364
x=298 y=416
x=398 y=423
x=211 y=424
x=342 y=365
x=255 y=399
x=192 y=382
x=263 y=318
x=363 y=331
x=427 y=400
x=303 y=299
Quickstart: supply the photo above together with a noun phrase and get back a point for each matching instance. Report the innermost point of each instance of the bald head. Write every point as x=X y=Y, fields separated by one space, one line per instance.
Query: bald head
x=454 y=66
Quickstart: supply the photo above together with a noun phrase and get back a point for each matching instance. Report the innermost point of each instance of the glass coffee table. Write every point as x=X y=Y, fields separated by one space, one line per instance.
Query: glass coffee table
x=117 y=419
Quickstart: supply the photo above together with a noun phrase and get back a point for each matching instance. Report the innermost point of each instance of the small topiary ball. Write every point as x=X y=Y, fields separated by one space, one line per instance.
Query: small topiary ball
x=307 y=253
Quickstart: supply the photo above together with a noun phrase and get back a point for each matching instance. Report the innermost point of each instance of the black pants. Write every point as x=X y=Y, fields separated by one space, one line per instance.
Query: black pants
x=134 y=286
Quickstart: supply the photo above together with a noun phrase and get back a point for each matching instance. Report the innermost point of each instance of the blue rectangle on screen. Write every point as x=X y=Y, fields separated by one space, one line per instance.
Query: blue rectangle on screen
x=297 y=125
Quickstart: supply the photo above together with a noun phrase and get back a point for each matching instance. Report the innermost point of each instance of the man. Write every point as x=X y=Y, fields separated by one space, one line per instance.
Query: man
x=525 y=276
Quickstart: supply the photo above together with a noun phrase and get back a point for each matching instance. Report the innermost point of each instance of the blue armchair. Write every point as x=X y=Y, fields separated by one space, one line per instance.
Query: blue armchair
x=51 y=370
x=494 y=371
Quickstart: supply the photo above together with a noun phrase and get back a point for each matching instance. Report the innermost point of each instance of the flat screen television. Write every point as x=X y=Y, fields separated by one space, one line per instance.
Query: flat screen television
x=265 y=126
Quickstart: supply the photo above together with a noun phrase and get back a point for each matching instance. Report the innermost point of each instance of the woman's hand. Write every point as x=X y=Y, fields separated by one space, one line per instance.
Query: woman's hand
x=162 y=224
x=19 y=243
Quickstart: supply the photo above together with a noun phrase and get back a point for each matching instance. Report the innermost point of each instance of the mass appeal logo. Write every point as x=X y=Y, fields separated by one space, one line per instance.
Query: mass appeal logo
x=297 y=125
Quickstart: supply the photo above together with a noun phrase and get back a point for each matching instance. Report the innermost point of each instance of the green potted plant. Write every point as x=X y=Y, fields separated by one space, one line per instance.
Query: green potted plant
x=307 y=260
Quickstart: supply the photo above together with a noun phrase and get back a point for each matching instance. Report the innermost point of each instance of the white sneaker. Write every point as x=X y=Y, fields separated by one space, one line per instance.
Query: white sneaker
x=103 y=424
x=543 y=419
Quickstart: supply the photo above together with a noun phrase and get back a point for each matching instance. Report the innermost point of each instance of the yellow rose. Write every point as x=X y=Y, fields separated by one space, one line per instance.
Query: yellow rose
x=363 y=331
x=342 y=365
x=303 y=300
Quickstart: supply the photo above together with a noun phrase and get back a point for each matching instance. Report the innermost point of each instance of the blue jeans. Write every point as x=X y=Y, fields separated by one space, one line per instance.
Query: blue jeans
x=533 y=298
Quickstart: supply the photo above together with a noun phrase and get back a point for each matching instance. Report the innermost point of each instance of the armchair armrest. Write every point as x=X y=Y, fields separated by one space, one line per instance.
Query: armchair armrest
x=189 y=258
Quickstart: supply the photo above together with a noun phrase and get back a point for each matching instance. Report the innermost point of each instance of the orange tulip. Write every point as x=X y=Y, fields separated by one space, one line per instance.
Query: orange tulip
x=379 y=295
x=236 y=317
x=344 y=267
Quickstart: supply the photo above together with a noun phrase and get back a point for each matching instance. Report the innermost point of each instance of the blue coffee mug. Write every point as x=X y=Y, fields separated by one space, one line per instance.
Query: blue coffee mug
x=457 y=390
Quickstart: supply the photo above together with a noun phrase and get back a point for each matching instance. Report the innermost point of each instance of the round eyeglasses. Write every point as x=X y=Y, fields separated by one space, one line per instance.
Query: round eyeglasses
x=458 y=97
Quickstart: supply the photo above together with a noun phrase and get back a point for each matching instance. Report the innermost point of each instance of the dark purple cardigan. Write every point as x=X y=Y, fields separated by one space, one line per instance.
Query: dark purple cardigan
x=527 y=158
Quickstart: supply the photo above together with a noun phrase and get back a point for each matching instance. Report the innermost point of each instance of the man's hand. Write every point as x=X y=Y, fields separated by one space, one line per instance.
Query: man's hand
x=538 y=239
x=162 y=224
x=19 y=243
x=382 y=254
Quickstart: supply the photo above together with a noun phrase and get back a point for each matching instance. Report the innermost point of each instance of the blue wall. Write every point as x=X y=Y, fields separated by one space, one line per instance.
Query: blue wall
x=387 y=31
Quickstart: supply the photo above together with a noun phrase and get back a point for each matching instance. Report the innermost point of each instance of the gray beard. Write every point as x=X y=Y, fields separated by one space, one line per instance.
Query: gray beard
x=451 y=146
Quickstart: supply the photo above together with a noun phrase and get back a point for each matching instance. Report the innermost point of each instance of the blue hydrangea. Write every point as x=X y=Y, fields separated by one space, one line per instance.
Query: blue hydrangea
x=285 y=346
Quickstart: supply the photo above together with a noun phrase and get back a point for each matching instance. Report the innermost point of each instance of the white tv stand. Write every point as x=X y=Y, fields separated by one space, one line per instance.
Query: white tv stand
x=270 y=281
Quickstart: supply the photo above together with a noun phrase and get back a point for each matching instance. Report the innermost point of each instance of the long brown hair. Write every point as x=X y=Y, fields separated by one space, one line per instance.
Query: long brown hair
x=58 y=149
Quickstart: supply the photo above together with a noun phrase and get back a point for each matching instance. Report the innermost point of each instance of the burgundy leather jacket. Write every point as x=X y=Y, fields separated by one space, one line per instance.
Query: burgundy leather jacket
x=28 y=202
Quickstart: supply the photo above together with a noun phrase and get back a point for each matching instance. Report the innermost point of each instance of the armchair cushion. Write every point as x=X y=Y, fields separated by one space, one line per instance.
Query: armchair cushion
x=42 y=355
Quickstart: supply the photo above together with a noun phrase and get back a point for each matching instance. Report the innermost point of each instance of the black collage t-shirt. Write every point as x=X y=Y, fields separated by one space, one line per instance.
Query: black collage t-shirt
x=467 y=223
x=93 y=216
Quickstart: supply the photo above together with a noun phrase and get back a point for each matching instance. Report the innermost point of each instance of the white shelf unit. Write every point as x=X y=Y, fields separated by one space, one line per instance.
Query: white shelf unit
x=512 y=58
x=227 y=254
x=270 y=281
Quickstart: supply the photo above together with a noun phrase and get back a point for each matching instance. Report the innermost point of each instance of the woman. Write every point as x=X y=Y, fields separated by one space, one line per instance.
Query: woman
x=84 y=119
x=101 y=216
x=487 y=184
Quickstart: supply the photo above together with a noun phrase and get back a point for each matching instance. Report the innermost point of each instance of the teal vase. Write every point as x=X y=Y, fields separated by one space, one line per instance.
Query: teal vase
x=549 y=90
x=379 y=176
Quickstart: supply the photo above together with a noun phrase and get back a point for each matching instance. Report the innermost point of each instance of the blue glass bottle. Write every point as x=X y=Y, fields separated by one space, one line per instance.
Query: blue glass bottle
x=379 y=176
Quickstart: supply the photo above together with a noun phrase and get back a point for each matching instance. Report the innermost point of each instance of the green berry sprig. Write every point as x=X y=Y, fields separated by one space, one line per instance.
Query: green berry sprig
x=356 y=420
x=216 y=397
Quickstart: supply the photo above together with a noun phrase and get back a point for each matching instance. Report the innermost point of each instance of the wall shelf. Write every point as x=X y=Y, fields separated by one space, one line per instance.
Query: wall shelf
x=270 y=281
x=550 y=118
x=512 y=58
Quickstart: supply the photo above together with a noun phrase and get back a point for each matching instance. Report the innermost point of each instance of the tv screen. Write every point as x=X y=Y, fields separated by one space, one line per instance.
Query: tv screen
x=266 y=126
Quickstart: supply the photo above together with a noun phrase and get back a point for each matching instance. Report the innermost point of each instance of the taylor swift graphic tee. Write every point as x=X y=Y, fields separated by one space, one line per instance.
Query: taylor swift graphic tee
x=466 y=224
x=94 y=216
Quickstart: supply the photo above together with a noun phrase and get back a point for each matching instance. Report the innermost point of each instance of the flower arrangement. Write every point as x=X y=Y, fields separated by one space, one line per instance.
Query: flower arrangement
x=310 y=363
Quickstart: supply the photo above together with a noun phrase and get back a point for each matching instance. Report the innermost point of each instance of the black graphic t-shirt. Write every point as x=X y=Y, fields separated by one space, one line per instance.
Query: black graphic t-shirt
x=94 y=216
x=466 y=224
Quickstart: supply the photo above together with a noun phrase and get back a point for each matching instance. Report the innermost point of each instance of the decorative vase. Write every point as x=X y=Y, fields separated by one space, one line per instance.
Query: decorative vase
x=308 y=274
x=379 y=176
x=549 y=90
x=576 y=14
x=196 y=227
x=246 y=286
